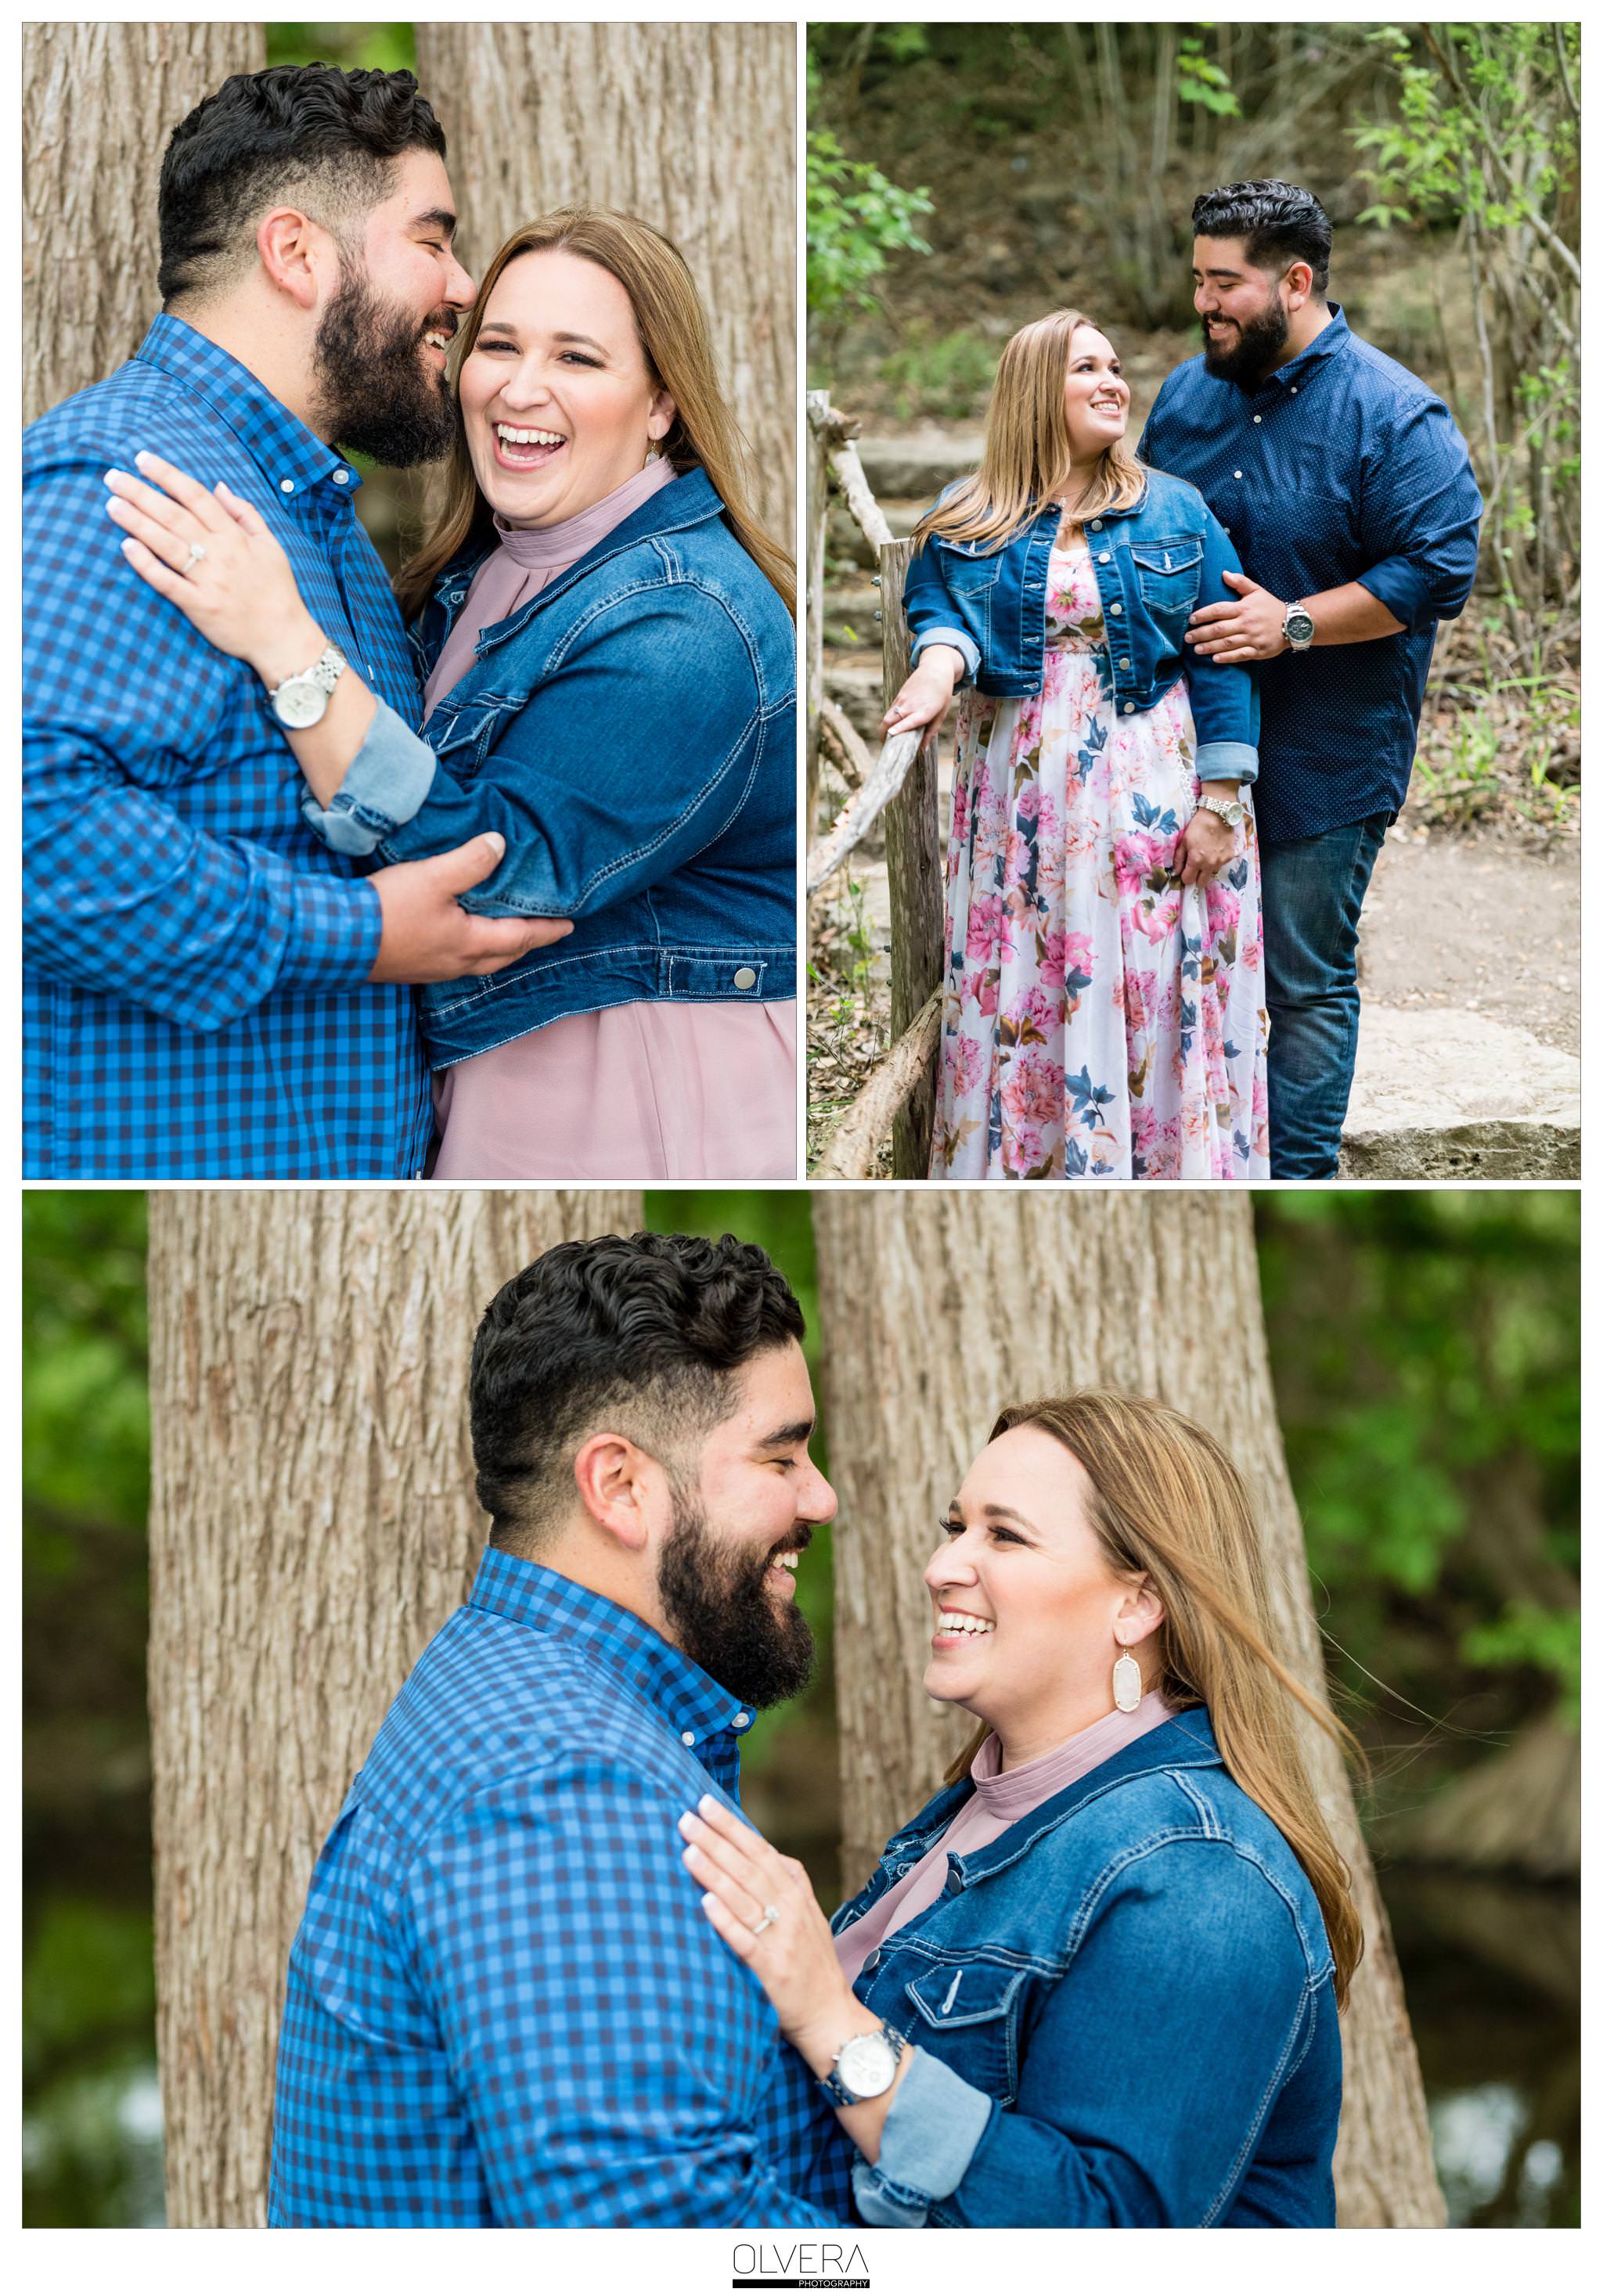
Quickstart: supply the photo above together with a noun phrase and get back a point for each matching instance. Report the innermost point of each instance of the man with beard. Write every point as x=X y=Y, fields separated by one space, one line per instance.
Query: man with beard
x=1346 y=489
x=210 y=991
x=505 y=2006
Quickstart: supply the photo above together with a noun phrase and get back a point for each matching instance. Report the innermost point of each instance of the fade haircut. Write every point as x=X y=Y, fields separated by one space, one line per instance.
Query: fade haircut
x=1279 y=223
x=640 y=1334
x=306 y=135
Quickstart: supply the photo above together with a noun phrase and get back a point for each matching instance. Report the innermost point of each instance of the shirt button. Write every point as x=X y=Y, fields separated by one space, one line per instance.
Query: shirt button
x=1115 y=608
x=286 y=486
x=1235 y=474
x=342 y=477
x=741 y=1720
x=687 y=1737
x=1103 y=556
x=1257 y=418
x=745 y=978
x=1294 y=390
x=1096 y=526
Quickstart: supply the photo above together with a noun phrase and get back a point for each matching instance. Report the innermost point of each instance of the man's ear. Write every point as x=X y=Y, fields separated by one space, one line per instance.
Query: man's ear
x=620 y=1488
x=1299 y=285
x=295 y=254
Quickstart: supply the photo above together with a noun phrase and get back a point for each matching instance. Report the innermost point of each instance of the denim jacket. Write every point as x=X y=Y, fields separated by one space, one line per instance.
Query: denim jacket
x=1155 y=564
x=1124 y=2010
x=631 y=731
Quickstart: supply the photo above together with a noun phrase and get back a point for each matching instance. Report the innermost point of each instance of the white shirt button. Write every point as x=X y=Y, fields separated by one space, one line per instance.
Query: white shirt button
x=1235 y=474
x=741 y=1720
x=286 y=486
x=342 y=477
x=745 y=978
x=1115 y=608
x=687 y=1737
x=1294 y=390
x=1257 y=418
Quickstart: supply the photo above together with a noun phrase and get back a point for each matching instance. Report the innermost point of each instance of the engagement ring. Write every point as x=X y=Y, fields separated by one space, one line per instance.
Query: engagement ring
x=770 y=1914
x=197 y=550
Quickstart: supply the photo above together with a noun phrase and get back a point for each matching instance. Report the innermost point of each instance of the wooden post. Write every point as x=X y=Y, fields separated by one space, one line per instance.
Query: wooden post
x=818 y=522
x=913 y=865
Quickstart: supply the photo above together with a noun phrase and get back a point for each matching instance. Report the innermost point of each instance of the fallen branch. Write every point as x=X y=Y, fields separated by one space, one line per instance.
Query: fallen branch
x=852 y=1144
x=845 y=743
x=852 y=824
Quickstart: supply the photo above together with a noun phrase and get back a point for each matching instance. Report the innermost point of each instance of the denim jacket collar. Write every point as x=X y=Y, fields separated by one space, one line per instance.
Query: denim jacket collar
x=690 y=501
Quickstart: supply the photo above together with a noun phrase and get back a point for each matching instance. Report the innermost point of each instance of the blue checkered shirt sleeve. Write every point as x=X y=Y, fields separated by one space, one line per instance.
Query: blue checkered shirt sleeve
x=590 y=2016
x=122 y=894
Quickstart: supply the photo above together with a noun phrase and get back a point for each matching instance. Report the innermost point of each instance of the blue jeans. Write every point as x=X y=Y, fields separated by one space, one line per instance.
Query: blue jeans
x=1313 y=891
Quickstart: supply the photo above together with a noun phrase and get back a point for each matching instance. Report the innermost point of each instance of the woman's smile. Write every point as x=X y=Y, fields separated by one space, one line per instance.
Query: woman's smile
x=525 y=447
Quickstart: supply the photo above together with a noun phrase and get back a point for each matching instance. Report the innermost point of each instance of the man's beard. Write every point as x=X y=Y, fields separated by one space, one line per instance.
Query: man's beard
x=723 y=1615
x=374 y=394
x=1255 y=349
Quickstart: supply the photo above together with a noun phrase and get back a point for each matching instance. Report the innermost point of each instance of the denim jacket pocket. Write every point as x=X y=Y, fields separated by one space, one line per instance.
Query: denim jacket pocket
x=461 y=738
x=1169 y=574
x=967 y=571
x=967 y=2013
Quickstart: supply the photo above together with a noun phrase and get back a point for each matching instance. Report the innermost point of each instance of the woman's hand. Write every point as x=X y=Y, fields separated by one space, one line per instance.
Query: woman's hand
x=1206 y=847
x=217 y=560
x=762 y=1906
x=928 y=695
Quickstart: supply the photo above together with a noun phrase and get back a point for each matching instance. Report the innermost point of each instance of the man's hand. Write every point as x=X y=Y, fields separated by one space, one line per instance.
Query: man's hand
x=428 y=936
x=1248 y=628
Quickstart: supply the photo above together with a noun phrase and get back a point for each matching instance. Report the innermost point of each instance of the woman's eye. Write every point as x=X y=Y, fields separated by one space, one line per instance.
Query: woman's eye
x=951 y=1529
x=579 y=358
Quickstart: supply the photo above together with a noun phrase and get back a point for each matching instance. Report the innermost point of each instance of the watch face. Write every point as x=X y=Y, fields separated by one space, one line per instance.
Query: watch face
x=1299 y=625
x=300 y=702
x=866 y=2065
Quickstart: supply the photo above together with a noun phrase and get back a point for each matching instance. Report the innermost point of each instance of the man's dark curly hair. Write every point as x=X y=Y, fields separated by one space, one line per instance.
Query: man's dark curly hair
x=641 y=1335
x=1279 y=223
x=306 y=135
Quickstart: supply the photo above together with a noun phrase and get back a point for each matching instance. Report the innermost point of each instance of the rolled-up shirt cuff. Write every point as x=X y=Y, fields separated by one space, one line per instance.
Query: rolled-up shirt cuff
x=932 y=2133
x=385 y=784
x=335 y=943
x=1402 y=590
x=960 y=639
x=1227 y=761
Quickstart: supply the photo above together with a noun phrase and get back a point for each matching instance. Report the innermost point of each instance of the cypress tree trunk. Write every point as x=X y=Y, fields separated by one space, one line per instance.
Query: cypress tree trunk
x=938 y=1306
x=312 y=1524
x=99 y=102
x=691 y=127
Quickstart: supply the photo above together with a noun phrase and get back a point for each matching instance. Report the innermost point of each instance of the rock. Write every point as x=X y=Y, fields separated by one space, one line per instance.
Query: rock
x=1452 y=1096
x=917 y=468
x=860 y=692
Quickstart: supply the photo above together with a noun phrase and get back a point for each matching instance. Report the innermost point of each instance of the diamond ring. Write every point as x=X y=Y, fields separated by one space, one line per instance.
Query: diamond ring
x=197 y=550
x=770 y=1914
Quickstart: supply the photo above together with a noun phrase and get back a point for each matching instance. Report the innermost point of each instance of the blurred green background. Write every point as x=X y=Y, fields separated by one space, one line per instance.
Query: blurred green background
x=1425 y=1349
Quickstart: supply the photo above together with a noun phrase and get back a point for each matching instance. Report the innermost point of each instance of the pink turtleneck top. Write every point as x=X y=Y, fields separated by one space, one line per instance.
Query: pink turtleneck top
x=1000 y=1799
x=636 y=1092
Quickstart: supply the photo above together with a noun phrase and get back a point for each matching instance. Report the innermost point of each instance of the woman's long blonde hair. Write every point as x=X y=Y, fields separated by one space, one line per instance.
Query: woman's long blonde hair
x=1167 y=1501
x=1028 y=460
x=673 y=328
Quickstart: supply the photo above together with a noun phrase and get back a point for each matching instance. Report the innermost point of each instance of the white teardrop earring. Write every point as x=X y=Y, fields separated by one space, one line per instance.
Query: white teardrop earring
x=1127 y=1683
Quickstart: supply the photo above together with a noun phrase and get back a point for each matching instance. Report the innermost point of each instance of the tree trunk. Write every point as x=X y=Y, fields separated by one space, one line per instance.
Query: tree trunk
x=312 y=1524
x=938 y=1305
x=913 y=867
x=691 y=127
x=99 y=102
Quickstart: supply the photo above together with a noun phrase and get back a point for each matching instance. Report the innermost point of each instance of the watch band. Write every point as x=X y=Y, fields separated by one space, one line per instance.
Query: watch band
x=1229 y=810
x=837 y=2090
x=1301 y=644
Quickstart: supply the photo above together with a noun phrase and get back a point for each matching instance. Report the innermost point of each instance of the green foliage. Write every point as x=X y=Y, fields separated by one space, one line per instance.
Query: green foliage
x=857 y=220
x=946 y=374
x=86 y=1434
x=1198 y=79
x=355 y=47
x=1528 y=1635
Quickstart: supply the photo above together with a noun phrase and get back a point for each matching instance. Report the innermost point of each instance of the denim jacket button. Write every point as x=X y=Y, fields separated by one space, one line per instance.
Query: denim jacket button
x=1115 y=608
x=1129 y=709
x=872 y=1959
x=1096 y=526
x=1124 y=661
x=745 y=978
x=1103 y=556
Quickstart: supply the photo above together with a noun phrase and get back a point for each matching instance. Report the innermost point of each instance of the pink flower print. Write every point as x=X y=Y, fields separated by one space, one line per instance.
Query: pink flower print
x=959 y=813
x=988 y=929
x=1135 y=859
x=1065 y=953
x=1015 y=867
x=1027 y=804
x=1143 y=1128
x=1033 y=1014
x=1024 y=1150
x=1033 y=1093
x=963 y=1064
x=985 y=996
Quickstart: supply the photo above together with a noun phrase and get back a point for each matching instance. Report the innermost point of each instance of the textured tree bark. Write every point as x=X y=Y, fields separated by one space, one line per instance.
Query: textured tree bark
x=916 y=882
x=938 y=1306
x=691 y=127
x=312 y=1524
x=99 y=102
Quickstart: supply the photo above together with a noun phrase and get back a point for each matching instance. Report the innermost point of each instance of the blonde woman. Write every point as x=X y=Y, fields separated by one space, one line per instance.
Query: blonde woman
x=1104 y=1011
x=1095 y=1981
x=604 y=632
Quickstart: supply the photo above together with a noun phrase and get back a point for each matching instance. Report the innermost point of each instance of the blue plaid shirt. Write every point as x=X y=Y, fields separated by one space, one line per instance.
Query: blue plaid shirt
x=1341 y=467
x=505 y=2005
x=194 y=991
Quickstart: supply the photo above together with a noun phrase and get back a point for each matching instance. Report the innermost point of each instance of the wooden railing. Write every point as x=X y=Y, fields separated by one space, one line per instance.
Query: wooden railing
x=900 y=786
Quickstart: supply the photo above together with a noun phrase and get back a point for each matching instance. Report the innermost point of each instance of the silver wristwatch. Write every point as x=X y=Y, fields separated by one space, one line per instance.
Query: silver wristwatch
x=1298 y=629
x=864 y=2066
x=1229 y=810
x=301 y=700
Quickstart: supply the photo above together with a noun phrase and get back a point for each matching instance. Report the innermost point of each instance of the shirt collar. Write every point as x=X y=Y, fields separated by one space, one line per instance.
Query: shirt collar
x=291 y=458
x=1328 y=341
x=693 y=1706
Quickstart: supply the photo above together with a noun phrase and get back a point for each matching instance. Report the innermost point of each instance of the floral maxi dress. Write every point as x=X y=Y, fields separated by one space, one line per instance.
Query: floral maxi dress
x=1100 y=1020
